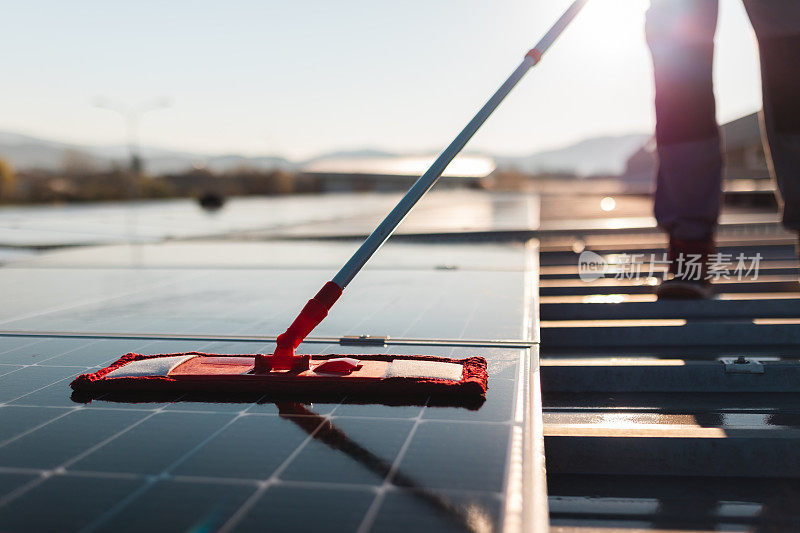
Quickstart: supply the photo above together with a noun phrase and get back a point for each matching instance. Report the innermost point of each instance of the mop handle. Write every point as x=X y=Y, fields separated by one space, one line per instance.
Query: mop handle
x=317 y=308
x=429 y=178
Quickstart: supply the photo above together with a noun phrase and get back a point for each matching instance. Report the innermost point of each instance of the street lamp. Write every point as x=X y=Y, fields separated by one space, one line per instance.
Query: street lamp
x=133 y=114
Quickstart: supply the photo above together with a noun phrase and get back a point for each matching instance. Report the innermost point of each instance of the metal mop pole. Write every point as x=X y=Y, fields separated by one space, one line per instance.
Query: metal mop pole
x=427 y=180
x=317 y=308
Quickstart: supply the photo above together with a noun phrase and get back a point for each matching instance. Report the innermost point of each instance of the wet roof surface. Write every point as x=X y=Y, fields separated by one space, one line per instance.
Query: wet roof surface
x=250 y=464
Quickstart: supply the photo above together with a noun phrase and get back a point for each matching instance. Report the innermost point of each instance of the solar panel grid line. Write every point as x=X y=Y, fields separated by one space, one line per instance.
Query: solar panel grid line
x=24 y=488
x=245 y=507
x=47 y=473
x=21 y=470
x=206 y=479
x=39 y=363
x=255 y=308
x=460 y=491
x=105 y=441
x=436 y=501
x=259 y=483
x=8 y=369
x=185 y=478
x=5 y=500
x=372 y=511
x=18 y=436
x=131 y=497
x=360 y=487
x=69 y=410
x=13 y=348
x=355 y=328
x=68 y=378
x=89 y=301
x=429 y=305
x=281 y=482
x=21 y=367
x=470 y=316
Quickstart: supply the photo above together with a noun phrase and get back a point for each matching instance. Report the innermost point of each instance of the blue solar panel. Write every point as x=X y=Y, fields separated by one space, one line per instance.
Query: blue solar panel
x=189 y=462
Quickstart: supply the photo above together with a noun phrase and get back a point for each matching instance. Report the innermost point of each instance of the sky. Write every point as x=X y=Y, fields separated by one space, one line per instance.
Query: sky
x=302 y=77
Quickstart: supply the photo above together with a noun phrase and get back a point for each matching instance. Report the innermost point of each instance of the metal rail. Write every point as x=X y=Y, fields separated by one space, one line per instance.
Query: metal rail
x=344 y=341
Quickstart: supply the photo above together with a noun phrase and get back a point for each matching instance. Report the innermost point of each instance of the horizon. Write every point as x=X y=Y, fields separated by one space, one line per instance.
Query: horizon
x=379 y=150
x=331 y=79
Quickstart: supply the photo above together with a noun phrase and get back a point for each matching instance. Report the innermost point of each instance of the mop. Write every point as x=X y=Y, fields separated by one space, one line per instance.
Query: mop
x=286 y=371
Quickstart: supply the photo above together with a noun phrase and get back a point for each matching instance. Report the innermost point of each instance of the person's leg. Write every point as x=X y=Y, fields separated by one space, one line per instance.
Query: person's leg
x=777 y=26
x=680 y=34
x=681 y=38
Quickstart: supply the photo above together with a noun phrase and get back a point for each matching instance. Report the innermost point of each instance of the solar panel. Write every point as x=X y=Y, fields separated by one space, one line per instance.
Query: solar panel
x=306 y=255
x=188 y=462
x=417 y=298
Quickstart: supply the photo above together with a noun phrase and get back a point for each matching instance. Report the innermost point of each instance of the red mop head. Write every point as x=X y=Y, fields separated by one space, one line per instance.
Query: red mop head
x=377 y=375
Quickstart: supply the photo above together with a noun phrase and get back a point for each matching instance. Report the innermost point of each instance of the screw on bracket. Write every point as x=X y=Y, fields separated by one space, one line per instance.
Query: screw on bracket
x=742 y=365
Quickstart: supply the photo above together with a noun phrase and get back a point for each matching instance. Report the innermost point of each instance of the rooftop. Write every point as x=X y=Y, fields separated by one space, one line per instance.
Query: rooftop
x=642 y=413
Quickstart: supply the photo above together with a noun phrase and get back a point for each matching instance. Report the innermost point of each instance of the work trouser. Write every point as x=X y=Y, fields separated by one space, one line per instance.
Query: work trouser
x=680 y=34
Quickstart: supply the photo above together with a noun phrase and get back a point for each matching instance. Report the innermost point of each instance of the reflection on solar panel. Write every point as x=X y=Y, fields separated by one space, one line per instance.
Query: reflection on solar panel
x=256 y=463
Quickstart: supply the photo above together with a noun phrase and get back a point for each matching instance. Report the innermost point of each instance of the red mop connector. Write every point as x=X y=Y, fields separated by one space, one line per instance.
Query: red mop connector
x=312 y=314
x=535 y=54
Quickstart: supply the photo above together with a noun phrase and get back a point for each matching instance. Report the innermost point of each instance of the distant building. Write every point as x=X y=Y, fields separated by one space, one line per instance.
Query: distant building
x=640 y=170
x=744 y=152
x=392 y=173
x=744 y=156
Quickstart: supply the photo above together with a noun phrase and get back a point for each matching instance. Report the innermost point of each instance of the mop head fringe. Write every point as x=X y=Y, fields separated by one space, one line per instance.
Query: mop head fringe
x=378 y=375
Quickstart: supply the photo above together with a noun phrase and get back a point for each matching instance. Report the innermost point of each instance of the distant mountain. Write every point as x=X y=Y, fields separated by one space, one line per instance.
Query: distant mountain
x=593 y=156
x=600 y=155
x=26 y=152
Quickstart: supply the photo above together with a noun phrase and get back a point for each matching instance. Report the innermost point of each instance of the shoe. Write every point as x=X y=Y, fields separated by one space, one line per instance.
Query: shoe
x=688 y=267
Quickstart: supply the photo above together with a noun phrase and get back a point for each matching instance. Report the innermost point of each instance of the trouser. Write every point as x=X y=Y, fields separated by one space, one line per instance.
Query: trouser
x=680 y=34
